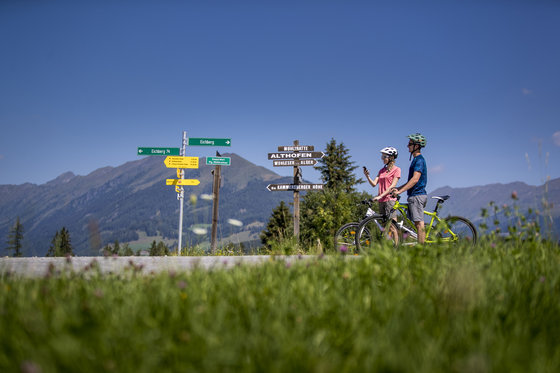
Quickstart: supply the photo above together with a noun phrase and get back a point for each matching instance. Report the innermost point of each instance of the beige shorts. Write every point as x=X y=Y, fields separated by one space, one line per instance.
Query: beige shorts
x=387 y=209
x=416 y=206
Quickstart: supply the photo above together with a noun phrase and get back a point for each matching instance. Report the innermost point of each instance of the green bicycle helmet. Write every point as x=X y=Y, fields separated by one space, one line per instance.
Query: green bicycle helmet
x=418 y=139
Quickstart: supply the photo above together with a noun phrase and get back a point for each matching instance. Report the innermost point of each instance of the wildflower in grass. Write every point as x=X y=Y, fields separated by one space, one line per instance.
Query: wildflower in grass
x=193 y=199
x=514 y=195
x=183 y=295
x=542 y=279
x=343 y=249
x=288 y=264
x=30 y=367
x=181 y=284
x=493 y=245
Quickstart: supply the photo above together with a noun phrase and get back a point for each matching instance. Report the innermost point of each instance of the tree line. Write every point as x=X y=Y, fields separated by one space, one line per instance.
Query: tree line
x=61 y=245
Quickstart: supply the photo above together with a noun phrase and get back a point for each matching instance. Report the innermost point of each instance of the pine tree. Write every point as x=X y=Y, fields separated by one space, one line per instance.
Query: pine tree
x=323 y=212
x=60 y=244
x=337 y=171
x=279 y=227
x=159 y=249
x=15 y=237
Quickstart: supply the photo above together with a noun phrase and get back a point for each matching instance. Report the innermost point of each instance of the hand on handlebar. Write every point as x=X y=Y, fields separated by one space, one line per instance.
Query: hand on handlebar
x=394 y=192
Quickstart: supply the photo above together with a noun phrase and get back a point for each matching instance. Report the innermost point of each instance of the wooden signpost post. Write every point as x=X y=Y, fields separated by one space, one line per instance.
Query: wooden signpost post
x=296 y=156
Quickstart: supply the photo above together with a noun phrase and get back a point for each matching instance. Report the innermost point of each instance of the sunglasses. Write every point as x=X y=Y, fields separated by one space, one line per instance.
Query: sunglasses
x=411 y=144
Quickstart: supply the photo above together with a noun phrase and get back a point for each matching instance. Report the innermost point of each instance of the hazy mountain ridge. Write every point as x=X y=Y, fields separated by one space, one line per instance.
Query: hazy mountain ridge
x=469 y=201
x=125 y=201
x=118 y=202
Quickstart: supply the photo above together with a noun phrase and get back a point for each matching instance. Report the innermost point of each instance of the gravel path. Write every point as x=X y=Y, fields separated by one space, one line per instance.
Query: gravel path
x=40 y=266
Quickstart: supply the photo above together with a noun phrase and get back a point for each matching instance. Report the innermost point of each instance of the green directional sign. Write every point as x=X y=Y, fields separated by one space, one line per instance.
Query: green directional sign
x=158 y=151
x=201 y=141
x=218 y=161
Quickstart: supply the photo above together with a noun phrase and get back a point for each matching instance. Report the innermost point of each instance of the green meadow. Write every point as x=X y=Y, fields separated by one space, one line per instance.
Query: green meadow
x=494 y=308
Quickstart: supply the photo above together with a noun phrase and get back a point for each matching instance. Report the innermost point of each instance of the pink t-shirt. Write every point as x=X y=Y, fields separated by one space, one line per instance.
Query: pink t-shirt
x=385 y=181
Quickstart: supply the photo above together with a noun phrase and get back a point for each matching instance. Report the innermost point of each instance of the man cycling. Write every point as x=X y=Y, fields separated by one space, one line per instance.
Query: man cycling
x=416 y=184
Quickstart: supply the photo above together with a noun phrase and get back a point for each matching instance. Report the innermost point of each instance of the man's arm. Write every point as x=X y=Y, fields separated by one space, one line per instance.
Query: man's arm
x=412 y=182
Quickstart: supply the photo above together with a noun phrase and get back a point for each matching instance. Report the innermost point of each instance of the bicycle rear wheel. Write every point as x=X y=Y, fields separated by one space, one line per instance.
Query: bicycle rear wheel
x=458 y=230
x=375 y=231
x=345 y=238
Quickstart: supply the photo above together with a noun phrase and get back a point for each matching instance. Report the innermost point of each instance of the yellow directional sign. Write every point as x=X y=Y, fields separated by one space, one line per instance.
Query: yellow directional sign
x=181 y=162
x=182 y=181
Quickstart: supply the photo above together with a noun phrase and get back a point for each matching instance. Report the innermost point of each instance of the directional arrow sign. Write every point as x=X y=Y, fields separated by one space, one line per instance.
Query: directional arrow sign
x=182 y=181
x=296 y=148
x=219 y=161
x=198 y=141
x=295 y=162
x=181 y=162
x=158 y=151
x=296 y=155
x=298 y=187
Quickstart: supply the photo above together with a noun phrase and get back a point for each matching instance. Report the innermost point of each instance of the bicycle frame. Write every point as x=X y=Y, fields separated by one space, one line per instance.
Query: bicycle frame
x=434 y=218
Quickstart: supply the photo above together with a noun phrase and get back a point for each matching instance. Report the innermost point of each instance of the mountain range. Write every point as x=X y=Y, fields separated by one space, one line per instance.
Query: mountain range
x=131 y=203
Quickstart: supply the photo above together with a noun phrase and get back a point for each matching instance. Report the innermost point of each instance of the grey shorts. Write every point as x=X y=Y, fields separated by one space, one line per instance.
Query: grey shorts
x=387 y=209
x=416 y=205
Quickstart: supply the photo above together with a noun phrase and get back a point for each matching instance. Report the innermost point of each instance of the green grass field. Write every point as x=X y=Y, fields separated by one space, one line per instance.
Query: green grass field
x=436 y=309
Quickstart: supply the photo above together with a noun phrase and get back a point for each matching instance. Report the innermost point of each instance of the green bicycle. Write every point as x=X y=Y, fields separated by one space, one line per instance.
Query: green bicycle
x=453 y=229
x=345 y=239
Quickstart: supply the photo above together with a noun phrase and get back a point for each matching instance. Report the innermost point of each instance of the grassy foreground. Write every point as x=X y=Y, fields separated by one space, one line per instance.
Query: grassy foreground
x=439 y=309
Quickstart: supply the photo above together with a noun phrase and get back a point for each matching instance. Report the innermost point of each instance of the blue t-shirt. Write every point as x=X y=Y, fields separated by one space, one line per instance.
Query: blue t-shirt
x=418 y=164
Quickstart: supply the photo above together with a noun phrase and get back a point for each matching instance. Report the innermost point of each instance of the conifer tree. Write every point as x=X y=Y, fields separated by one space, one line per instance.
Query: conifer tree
x=15 y=238
x=323 y=212
x=60 y=244
x=280 y=225
x=337 y=170
x=159 y=249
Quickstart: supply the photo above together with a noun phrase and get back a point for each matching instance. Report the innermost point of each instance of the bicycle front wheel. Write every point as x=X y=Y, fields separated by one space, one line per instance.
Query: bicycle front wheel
x=345 y=238
x=375 y=231
x=457 y=230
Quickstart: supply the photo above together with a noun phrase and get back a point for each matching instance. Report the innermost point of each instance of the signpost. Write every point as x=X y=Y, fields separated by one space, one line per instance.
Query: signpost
x=218 y=161
x=201 y=141
x=301 y=155
x=298 y=187
x=298 y=148
x=182 y=182
x=295 y=162
x=296 y=155
x=181 y=162
x=176 y=158
x=158 y=151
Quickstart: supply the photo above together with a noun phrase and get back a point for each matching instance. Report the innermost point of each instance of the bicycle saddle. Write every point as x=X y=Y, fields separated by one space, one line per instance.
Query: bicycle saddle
x=441 y=198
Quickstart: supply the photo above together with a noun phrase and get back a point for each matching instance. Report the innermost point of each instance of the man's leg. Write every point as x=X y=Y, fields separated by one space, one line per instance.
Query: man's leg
x=416 y=206
x=421 y=232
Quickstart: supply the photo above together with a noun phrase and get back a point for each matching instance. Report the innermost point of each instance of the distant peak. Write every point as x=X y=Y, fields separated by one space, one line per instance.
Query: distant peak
x=63 y=178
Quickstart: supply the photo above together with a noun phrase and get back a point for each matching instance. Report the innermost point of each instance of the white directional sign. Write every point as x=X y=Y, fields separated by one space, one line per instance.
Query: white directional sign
x=295 y=162
x=298 y=187
x=297 y=155
x=296 y=148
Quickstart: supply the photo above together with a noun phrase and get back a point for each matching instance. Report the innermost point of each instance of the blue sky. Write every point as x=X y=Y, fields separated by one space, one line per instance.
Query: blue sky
x=84 y=83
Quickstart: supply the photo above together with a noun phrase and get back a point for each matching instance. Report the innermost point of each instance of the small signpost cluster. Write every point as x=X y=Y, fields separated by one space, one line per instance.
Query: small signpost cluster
x=296 y=156
x=176 y=158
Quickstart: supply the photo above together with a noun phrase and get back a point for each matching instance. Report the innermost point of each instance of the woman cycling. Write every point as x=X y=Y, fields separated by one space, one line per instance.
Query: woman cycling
x=387 y=179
